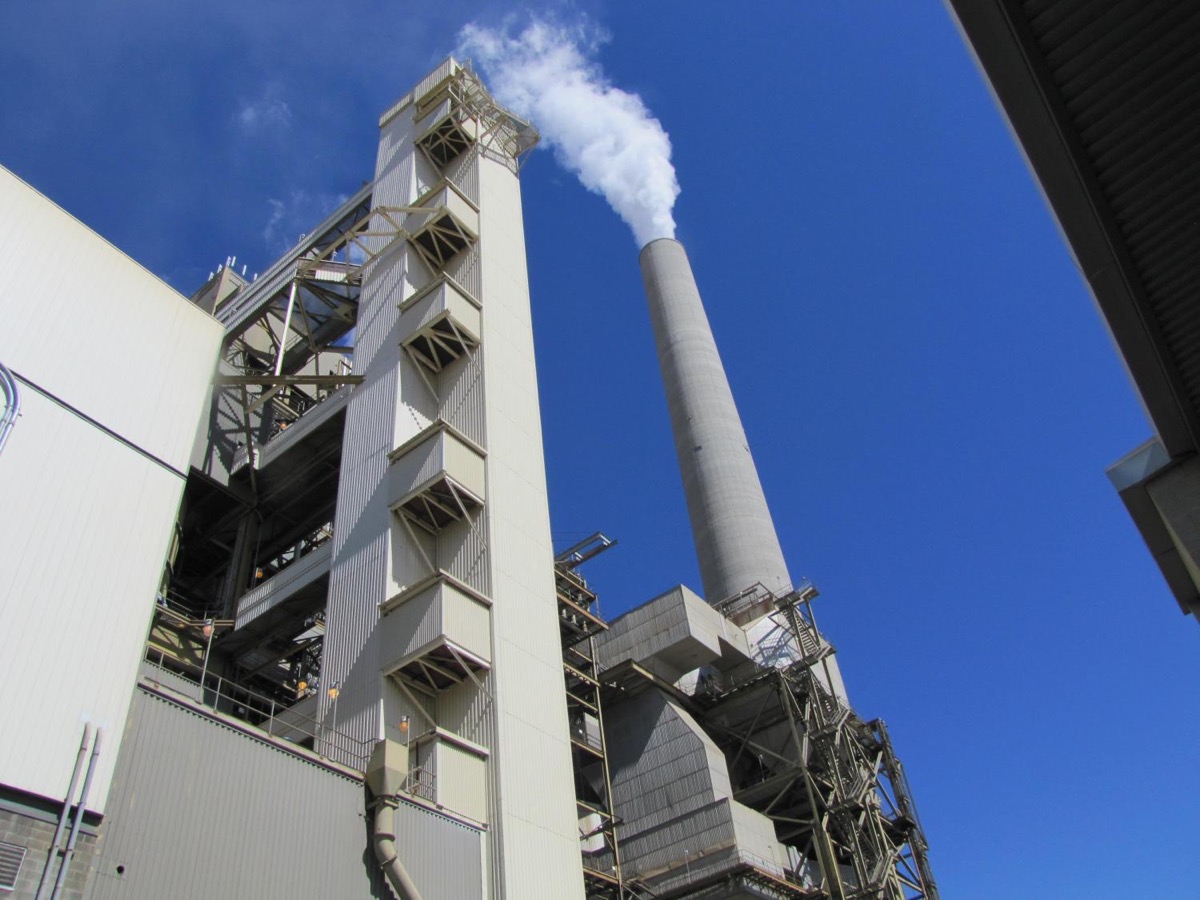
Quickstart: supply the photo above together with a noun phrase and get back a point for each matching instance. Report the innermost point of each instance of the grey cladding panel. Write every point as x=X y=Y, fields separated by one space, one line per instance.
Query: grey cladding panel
x=199 y=810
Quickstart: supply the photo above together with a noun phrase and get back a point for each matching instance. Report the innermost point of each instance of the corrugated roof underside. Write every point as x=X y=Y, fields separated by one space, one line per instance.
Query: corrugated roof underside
x=1129 y=74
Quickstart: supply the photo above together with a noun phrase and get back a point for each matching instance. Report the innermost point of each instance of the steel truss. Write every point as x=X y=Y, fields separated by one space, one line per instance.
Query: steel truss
x=475 y=117
x=800 y=755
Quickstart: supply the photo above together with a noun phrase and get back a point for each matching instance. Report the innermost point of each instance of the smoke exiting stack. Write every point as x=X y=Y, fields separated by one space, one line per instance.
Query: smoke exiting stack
x=735 y=538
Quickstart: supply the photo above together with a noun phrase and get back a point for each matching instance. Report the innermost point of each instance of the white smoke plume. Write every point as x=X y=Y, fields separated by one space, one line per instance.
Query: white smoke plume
x=605 y=135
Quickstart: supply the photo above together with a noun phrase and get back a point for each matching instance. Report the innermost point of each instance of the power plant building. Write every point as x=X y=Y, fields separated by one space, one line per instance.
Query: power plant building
x=282 y=603
x=1101 y=97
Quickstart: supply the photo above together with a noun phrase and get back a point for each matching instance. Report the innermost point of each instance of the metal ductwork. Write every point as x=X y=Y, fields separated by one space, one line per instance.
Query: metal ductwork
x=385 y=777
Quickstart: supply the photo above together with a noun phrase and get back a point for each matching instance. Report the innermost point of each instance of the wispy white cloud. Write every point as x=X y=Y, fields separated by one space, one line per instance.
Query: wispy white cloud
x=296 y=215
x=268 y=112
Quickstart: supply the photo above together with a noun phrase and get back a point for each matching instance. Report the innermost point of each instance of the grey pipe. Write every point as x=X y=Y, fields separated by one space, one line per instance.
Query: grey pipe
x=385 y=850
x=66 y=808
x=735 y=538
x=12 y=404
x=83 y=795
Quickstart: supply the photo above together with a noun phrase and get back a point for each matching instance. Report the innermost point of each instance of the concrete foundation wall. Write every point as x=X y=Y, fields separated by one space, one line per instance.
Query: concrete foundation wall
x=34 y=833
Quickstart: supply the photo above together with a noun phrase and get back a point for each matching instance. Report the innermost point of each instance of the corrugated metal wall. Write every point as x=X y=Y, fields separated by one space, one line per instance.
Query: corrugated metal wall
x=462 y=389
x=115 y=368
x=199 y=810
x=536 y=815
x=466 y=270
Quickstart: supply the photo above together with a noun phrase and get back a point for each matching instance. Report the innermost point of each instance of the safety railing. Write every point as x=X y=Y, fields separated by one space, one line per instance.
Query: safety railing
x=261 y=712
x=421 y=782
x=12 y=404
x=697 y=870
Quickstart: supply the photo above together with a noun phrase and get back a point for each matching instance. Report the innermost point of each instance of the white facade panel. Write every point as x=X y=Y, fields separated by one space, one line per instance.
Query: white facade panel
x=441 y=297
x=82 y=560
x=504 y=553
x=467 y=622
x=422 y=617
x=114 y=370
x=540 y=838
x=440 y=454
x=461 y=780
x=65 y=327
x=466 y=269
x=444 y=197
x=462 y=405
x=372 y=554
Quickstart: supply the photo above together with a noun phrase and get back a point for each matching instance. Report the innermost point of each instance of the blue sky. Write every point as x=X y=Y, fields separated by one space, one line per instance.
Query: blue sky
x=931 y=397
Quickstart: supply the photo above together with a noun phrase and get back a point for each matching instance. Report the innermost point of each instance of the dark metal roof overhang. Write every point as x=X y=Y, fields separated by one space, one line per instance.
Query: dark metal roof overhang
x=1102 y=96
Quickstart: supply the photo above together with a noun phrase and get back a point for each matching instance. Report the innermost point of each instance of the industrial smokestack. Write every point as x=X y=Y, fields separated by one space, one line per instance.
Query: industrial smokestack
x=735 y=538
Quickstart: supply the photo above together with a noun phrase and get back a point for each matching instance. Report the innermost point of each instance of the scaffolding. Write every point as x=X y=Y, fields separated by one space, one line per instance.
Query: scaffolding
x=799 y=754
x=579 y=623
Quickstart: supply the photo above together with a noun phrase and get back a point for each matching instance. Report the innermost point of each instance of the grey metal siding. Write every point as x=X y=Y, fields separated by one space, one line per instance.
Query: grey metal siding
x=271 y=824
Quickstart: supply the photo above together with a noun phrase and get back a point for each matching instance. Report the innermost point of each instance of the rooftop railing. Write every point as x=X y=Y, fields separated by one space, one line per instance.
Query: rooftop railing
x=265 y=714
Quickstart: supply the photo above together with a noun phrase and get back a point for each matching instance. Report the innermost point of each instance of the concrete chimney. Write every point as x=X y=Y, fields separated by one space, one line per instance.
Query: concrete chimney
x=735 y=538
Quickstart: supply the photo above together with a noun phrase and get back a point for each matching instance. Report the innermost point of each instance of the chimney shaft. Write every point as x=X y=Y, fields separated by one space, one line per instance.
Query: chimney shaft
x=735 y=539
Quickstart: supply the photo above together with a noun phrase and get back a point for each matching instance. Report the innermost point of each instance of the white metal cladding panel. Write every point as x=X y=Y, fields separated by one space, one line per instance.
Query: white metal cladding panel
x=465 y=465
x=439 y=610
x=416 y=466
x=440 y=299
x=449 y=199
x=462 y=551
x=272 y=825
x=370 y=563
x=84 y=533
x=467 y=622
x=419 y=404
x=538 y=827
x=426 y=173
x=461 y=386
x=411 y=625
x=440 y=453
x=465 y=268
x=445 y=858
x=432 y=117
x=444 y=70
x=461 y=781
x=467 y=711
x=278 y=588
x=395 y=183
x=463 y=170
x=411 y=547
x=101 y=333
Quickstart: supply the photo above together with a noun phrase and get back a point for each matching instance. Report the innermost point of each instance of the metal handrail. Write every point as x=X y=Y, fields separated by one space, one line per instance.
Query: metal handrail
x=421 y=782
x=12 y=404
x=267 y=715
x=749 y=863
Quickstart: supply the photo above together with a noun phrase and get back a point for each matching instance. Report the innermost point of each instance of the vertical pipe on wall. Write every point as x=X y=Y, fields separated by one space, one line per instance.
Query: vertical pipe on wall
x=12 y=404
x=83 y=795
x=66 y=808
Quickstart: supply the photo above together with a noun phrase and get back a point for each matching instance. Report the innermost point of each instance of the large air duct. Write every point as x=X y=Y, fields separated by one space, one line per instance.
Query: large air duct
x=735 y=538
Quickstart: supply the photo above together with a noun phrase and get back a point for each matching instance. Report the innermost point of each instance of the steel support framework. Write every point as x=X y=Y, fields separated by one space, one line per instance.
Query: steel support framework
x=834 y=787
x=579 y=624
